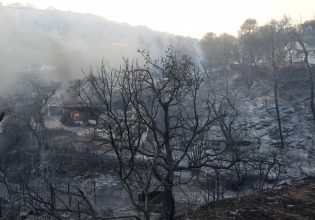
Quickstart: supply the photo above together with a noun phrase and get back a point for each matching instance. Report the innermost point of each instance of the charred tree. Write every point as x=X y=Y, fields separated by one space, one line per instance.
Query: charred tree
x=297 y=34
x=160 y=127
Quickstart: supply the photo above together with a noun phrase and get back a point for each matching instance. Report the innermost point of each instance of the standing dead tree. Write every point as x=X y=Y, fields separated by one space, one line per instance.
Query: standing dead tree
x=56 y=201
x=24 y=145
x=298 y=33
x=160 y=126
x=274 y=39
x=25 y=126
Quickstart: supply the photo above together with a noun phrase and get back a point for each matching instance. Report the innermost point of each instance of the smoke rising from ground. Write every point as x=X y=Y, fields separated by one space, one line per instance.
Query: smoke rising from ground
x=57 y=45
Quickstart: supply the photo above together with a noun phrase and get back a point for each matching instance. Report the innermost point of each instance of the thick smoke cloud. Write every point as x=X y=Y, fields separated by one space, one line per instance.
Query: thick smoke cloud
x=59 y=44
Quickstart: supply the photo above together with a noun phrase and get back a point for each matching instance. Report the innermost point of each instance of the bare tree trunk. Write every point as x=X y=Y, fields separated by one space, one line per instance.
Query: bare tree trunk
x=308 y=67
x=168 y=203
x=168 y=198
x=311 y=82
x=312 y=94
x=146 y=206
x=278 y=113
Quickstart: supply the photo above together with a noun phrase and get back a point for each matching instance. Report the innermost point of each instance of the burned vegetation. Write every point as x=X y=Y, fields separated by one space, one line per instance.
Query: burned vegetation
x=290 y=202
x=169 y=137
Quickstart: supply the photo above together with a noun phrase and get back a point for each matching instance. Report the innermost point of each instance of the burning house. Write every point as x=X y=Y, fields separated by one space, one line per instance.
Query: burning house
x=74 y=114
x=80 y=115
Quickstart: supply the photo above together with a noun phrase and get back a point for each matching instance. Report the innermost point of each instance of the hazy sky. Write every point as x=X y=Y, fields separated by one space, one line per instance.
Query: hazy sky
x=184 y=17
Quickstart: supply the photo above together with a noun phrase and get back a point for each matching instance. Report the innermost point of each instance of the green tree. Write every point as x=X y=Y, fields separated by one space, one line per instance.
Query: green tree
x=210 y=50
x=219 y=51
x=250 y=46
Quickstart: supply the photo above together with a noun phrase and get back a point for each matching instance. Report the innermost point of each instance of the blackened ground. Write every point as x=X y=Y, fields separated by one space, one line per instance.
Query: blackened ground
x=292 y=202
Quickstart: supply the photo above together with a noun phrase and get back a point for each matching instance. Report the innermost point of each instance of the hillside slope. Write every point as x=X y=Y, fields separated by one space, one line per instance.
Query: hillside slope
x=290 y=202
x=58 y=44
